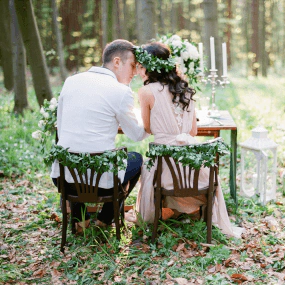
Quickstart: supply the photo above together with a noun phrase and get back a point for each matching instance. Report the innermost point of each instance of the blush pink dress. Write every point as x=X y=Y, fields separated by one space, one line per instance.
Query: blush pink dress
x=171 y=125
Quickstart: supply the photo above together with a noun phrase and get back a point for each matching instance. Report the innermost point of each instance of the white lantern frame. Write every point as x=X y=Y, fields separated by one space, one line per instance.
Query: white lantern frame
x=259 y=144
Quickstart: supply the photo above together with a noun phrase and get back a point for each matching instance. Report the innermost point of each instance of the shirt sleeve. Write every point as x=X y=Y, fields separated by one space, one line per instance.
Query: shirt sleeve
x=127 y=119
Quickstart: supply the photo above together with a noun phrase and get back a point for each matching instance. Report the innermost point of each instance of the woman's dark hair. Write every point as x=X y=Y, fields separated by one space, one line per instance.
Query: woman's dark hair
x=177 y=86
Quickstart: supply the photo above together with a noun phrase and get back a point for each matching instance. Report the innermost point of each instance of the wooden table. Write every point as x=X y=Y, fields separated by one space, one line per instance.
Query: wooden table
x=214 y=130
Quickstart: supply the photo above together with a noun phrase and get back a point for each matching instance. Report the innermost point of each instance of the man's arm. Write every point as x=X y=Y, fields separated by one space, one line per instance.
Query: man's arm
x=127 y=119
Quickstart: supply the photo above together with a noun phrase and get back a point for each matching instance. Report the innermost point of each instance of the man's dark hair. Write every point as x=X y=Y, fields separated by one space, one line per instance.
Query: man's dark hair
x=118 y=48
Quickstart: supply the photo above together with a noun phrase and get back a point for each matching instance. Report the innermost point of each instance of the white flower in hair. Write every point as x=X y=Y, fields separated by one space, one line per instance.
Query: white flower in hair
x=185 y=55
x=175 y=38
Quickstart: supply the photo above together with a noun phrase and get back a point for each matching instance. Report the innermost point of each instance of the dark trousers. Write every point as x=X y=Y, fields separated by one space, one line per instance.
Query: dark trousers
x=106 y=215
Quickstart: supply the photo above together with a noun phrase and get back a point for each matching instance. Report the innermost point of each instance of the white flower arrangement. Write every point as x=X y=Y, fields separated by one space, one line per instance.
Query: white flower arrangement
x=47 y=122
x=187 y=56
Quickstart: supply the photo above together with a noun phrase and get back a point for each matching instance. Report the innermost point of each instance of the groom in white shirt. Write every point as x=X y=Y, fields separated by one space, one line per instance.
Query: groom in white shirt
x=91 y=106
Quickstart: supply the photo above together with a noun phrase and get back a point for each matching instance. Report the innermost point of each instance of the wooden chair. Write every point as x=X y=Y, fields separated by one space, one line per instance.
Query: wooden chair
x=87 y=193
x=181 y=177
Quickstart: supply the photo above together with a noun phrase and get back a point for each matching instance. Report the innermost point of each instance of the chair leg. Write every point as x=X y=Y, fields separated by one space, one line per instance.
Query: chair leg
x=157 y=215
x=122 y=213
x=116 y=218
x=72 y=221
x=64 y=228
x=209 y=217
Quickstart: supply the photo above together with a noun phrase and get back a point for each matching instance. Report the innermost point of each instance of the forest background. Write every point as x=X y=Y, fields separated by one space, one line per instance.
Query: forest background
x=44 y=41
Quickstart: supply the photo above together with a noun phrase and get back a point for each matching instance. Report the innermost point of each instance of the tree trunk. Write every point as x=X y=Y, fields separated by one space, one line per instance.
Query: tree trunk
x=110 y=21
x=173 y=19
x=104 y=13
x=146 y=17
x=34 y=49
x=262 y=41
x=161 y=17
x=211 y=30
x=59 y=43
x=118 y=20
x=6 y=44
x=19 y=64
x=254 y=37
x=229 y=32
x=125 y=25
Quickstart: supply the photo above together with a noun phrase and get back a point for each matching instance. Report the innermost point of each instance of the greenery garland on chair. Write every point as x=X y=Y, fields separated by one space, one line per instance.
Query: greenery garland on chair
x=194 y=156
x=82 y=161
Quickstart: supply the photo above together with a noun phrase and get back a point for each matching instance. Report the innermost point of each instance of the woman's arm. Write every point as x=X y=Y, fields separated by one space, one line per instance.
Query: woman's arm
x=146 y=101
x=194 y=130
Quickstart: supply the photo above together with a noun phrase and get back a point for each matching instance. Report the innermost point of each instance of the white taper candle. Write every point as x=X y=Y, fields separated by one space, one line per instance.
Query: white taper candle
x=212 y=47
x=225 y=67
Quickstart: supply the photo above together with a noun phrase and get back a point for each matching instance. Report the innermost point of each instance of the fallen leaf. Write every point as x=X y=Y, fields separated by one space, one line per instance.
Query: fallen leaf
x=238 y=277
x=39 y=273
x=181 y=281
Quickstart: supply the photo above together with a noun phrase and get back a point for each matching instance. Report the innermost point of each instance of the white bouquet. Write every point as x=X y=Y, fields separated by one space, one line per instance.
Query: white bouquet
x=47 y=122
x=187 y=56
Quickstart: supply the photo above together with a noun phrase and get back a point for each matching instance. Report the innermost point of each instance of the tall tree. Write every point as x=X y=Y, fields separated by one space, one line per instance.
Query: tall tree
x=229 y=31
x=34 y=49
x=71 y=12
x=110 y=20
x=146 y=16
x=19 y=64
x=211 y=30
x=255 y=36
x=262 y=41
x=104 y=13
x=6 y=44
x=59 y=43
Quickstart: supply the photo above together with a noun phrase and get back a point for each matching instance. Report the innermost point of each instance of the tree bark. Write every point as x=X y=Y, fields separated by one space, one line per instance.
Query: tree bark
x=59 y=43
x=229 y=32
x=19 y=64
x=146 y=17
x=255 y=36
x=6 y=44
x=110 y=21
x=211 y=30
x=118 y=20
x=104 y=14
x=262 y=46
x=34 y=49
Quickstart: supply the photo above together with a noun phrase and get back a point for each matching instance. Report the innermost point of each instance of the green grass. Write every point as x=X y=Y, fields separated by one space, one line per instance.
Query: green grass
x=30 y=233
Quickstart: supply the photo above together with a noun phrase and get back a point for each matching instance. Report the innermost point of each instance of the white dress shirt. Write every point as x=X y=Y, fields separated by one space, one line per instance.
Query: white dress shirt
x=91 y=106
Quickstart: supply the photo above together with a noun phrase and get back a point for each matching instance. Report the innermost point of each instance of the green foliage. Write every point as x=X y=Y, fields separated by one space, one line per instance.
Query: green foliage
x=153 y=63
x=108 y=161
x=194 y=156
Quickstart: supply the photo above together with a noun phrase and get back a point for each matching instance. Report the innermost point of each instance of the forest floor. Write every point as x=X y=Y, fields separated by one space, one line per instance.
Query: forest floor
x=30 y=216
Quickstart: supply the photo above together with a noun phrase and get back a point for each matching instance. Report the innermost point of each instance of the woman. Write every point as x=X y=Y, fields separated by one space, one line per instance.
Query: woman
x=168 y=112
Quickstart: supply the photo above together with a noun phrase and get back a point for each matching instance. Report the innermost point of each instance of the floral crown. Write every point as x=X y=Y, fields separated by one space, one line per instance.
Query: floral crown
x=152 y=63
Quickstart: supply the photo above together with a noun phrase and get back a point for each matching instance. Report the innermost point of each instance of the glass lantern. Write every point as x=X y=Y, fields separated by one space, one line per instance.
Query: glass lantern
x=258 y=166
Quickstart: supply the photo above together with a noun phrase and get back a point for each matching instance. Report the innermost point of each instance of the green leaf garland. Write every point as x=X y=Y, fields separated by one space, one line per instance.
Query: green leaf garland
x=108 y=161
x=194 y=156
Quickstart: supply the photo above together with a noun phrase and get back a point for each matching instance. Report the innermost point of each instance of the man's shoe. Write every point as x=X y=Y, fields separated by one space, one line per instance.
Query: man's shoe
x=100 y=224
x=81 y=226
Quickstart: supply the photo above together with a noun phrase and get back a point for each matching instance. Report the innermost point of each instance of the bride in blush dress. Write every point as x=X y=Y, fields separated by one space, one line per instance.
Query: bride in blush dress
x=168 y=112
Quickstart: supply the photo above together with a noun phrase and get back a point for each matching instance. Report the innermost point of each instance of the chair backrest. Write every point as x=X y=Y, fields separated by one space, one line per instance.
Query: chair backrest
x=87 y=182
x=184 y=178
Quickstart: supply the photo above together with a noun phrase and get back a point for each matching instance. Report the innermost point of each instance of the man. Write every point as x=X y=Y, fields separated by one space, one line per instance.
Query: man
x=91 y=106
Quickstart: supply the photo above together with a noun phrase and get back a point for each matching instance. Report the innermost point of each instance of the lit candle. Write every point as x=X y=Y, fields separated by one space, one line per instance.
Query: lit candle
x=225 y=67
x=200 y=45
x=212 y=46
